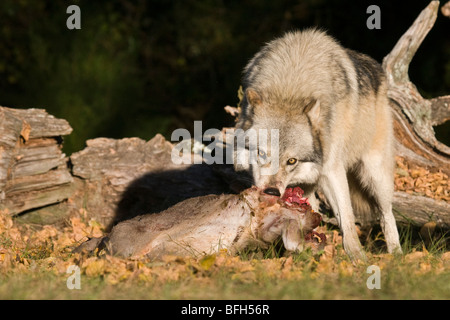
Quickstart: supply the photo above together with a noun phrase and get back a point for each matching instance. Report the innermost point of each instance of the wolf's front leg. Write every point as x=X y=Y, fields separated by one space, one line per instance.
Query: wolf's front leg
x=335 y=187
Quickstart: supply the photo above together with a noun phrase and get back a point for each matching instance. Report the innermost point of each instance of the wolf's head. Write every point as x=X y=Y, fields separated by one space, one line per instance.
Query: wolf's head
x=279 y=144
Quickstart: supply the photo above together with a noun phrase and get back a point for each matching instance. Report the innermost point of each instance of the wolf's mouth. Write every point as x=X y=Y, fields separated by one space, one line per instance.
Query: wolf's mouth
x=293 y=200
x=293 y=197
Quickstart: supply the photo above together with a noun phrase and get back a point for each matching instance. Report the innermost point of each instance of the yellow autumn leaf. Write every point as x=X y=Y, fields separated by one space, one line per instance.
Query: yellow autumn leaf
x=207 y=261
x=94 y=267
x=345 y=268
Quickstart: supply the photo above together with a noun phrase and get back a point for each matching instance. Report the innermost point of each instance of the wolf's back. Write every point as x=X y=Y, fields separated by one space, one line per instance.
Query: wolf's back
x=302 y=64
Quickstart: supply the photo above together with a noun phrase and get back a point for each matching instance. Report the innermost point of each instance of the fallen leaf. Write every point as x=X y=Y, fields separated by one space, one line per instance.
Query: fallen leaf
x=94 y=266
x=207 y=261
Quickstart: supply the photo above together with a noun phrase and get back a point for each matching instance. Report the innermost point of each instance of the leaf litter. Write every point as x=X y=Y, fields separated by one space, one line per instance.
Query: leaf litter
x=24 y=250
x=418 y=180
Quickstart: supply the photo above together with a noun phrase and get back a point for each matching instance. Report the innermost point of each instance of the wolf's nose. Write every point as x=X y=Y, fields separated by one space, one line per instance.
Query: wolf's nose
x=272 y=191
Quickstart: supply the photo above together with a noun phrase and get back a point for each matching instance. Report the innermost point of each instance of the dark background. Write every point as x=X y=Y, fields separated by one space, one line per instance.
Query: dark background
x=137 y=68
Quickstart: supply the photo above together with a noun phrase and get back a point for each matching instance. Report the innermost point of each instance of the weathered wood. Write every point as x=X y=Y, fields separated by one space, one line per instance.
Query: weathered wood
x=445 y=9
x=414 y=118
x=40 y=124
x=10 y=128
x=26 y=184
x=414 y=115
x=38 y=160
x=418 y=210
x=440 y=110
x=20 y=202
x=124 y=178
x=33 y=169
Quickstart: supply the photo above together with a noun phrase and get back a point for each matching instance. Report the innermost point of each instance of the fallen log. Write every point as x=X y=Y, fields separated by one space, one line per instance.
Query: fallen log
x=121 y=179
x=33 y=169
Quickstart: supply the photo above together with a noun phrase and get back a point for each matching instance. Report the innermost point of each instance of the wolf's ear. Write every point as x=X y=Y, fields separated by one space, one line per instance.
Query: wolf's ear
x=312 y=109
x=253 y=97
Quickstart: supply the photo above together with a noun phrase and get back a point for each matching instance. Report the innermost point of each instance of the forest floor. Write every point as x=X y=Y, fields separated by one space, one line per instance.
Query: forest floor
x=36 y=263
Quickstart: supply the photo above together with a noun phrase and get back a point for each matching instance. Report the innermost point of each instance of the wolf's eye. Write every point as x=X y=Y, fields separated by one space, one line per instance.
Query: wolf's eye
x=261 y=153
x=292 y=161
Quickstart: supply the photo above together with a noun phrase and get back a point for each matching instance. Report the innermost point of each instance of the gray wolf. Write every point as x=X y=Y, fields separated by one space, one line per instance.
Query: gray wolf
x=335 y=129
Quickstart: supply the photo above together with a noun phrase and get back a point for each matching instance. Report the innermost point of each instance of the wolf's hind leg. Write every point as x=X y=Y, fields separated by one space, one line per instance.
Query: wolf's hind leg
x=376 y=174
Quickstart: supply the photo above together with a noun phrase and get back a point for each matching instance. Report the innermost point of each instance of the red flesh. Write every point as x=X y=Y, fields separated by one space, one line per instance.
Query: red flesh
x=294 y=197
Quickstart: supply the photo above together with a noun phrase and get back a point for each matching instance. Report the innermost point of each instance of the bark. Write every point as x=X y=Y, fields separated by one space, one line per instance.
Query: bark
x=120 y=179
x=414 y=118
x=33 y=169
x=418 y=210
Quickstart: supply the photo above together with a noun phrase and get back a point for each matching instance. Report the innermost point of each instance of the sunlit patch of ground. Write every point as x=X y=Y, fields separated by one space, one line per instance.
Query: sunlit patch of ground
x=37 y=263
